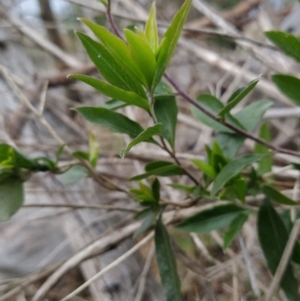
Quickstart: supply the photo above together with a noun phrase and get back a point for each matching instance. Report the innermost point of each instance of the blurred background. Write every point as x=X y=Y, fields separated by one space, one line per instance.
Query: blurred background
x=221 y=49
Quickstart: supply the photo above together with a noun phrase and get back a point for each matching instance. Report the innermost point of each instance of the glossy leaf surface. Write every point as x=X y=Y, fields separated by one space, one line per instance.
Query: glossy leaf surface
x=211 y=219
x=128 y=97
x=165 y=109
x=166 y=263
x=232 y=169
x=273 y=238
x=114 y=121
x=143 y=136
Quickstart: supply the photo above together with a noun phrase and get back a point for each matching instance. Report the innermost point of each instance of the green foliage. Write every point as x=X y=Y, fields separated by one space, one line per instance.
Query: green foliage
x=116 y=122
x=289 y=86
x=128 y=97
x=277 y=196
x=160 y=168
x=266 y=162
x=143 y=136
x=142 y=55
x=286 y=42
x=238 y=96
x=11 y=196
x=130 y=75
x=169 y=41
x=165 y=109
x=74 y=174
x=234 y=228
x=166 y=263
x=273 y=238
x=232 y=169
x=211 y=219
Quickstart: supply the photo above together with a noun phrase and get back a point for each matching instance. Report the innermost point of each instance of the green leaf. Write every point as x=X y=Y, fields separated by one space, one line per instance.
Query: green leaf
x=94 y=150
x=184 y=188
x=144 y=195
x=151 y=29
x=6 y=155
x=59 y=152
x=149 y=217
x=11 y=197
x=170 y=40
x=116 y=122
x=163 y=89
x=165 y=109
x=252 y=114
x=142 y=55
x=161 y=169
x=232 y=169
x=156 y=189
x=273 y=238
x=234 y=228
x=143 y=136
x=118 y=49
x=81 y=155
x=74 y=174
x=286 y=42
x=239 y=97
x=166 y=263
x=277 y=196
x=214 y=105
x=205 y=168
x=108 y=66
x=211 y=219
x=114 y=104
x=229 y=143
x=129 y=98
x=266 y=162
x=289 y=86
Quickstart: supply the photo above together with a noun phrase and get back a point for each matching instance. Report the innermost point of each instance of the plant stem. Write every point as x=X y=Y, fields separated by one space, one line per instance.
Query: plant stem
x=230 y=126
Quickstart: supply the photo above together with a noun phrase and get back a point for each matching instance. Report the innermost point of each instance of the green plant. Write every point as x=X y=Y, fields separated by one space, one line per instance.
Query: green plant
x=132 y=71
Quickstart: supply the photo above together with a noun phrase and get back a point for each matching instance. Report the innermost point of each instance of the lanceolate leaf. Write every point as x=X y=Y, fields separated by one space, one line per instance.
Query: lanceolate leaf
x=166 y=263
x=108 y=66
x=232 y=169
x=170 y=40
x=128 y=97
x=118 y=49
x=266 y=162
x=287 y=42
x=165 y=170
x=240 y=96
x=289 y=86
x=116 y=122
x=211 y=219
x=143 y=136
x=11 y=197
x=252 y=114
x=114 y=104
x=151 y=29
x=273 y=237
x=229 y=143
x=205 y=168
x=234 y=228
x=214 y=105
x=94 y=150
x=165 y=109
x=142 y=55
x=74 y=174
x=277 y=196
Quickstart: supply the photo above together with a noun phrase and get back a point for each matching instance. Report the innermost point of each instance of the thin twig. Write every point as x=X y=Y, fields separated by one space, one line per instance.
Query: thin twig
x=228 y=125
x=75 y=206
x=284 y=261
x=110 y=266
x=249 y=267
x=143 y=278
